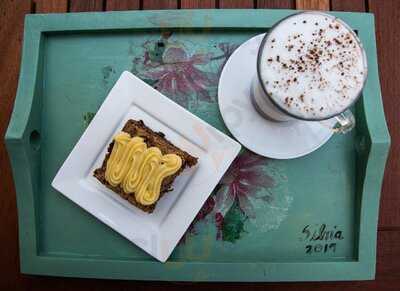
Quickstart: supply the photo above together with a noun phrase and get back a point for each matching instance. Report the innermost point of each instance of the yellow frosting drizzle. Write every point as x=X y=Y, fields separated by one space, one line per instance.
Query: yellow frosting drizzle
x=117 y=163
x=139 y=169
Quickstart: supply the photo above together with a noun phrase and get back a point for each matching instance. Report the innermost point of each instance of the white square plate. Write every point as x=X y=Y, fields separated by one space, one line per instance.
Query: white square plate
x=159 y=232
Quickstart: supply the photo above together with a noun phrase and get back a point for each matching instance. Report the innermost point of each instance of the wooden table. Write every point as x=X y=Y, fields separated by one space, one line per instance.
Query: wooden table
x=387 y=18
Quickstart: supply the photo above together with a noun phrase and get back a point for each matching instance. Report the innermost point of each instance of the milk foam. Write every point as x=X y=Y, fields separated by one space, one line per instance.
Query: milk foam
x=312 y=65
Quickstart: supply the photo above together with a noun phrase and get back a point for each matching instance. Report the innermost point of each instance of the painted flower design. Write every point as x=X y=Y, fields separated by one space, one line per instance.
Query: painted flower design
x=232 y=202
x=175 y=71
x=241 y=182
x=179 y=77
x=239 y=187
x=227 y=49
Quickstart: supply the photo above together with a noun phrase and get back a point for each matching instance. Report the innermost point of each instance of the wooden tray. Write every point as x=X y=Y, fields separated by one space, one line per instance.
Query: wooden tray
x=312 y=218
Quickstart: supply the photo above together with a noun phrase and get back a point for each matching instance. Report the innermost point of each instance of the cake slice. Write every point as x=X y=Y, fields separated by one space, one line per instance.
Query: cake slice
x=141 y=165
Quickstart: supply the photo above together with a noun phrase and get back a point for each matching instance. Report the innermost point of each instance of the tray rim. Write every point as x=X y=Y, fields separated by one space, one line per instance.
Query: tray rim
x=375 y=146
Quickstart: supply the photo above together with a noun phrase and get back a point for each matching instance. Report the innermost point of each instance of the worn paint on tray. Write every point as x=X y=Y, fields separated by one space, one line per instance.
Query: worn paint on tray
x=87 y=118
x=107 y=71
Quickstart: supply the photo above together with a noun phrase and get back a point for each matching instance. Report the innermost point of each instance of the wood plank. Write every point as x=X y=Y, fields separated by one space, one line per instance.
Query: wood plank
x=195 y=4
x=282 y=4
x=312 y=4
x=85 y=5
x=387 y=19
x=51 y=6
x=236 y=4
x=160 y=4
x=12 y=15
x=122 y=5
x=348 y=5
x=388 y=264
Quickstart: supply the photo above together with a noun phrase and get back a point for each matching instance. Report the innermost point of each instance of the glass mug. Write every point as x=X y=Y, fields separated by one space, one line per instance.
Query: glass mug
x=267 y=107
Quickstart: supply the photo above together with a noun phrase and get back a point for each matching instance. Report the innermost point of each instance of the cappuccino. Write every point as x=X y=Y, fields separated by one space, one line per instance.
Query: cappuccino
x=312 y=66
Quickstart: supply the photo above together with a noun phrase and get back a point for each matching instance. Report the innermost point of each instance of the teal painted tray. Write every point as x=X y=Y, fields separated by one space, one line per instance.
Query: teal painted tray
x=312 y=218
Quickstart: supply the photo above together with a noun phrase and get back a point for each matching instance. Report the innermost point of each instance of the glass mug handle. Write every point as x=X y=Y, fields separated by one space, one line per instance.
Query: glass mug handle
x=344 y=122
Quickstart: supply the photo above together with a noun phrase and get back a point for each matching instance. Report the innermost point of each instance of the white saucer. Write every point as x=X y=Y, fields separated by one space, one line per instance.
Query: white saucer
x=279 y=140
